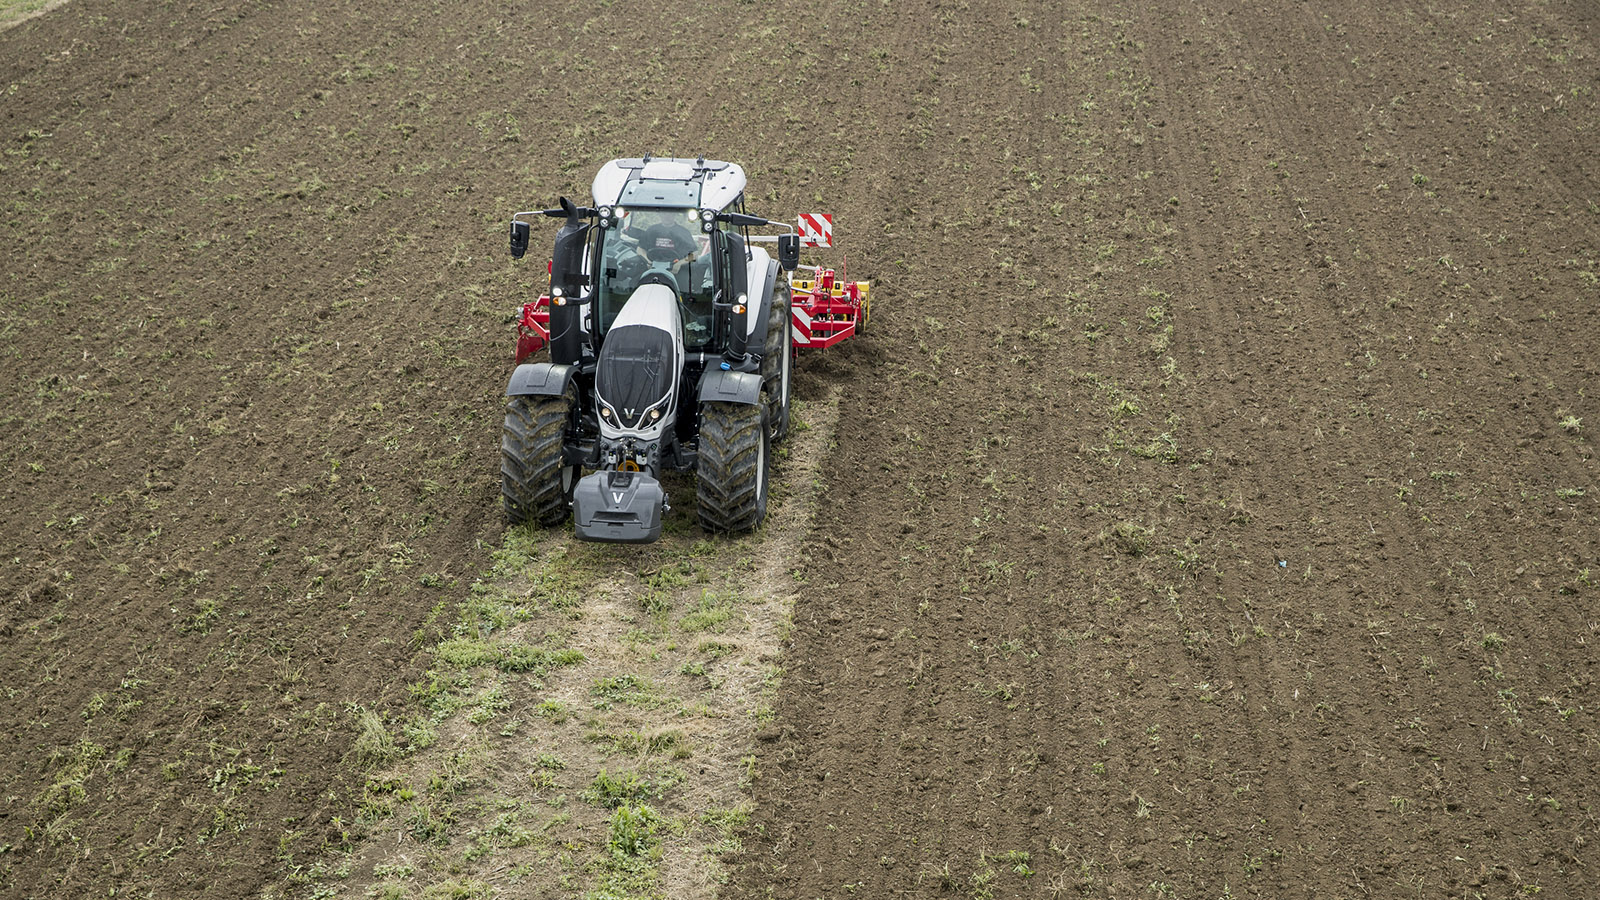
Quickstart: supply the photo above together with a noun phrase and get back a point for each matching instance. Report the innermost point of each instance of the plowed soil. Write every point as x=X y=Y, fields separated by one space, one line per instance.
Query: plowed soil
x=1213 y=510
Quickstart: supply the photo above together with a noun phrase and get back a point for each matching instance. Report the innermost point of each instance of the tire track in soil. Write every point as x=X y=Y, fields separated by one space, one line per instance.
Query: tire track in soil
x=1493 y=172
x=834 y=747
x=1236 y=733
x=1217 y=656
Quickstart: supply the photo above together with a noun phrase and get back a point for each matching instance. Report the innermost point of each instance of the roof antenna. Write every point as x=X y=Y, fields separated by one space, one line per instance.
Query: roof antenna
x=647 y=156
x=700 y=161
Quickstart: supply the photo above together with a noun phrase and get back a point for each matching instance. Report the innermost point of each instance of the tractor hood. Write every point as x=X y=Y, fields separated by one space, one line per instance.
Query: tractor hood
x=636 y=376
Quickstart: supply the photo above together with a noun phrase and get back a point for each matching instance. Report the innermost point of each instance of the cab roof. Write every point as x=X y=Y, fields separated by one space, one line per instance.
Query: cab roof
x=669 y=182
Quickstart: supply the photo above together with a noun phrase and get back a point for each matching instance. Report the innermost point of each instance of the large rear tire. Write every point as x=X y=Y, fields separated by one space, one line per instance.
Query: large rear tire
x=535 y=482
x=776 y=361
x=732 y=474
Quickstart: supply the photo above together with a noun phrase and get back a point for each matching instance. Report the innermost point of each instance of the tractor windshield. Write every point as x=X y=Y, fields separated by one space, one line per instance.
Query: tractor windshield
x=657 y=241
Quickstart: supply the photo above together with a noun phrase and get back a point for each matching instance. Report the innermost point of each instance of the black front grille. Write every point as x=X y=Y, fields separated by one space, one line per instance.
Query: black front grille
x=634 y=372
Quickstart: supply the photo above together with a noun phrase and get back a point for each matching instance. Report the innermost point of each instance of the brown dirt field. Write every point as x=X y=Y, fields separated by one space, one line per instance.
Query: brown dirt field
x=1292 y=601
x=1202 y=520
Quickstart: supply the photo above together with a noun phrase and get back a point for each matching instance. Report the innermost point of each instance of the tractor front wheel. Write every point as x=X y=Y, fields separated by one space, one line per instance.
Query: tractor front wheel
x=535 y=482
x=733 y=466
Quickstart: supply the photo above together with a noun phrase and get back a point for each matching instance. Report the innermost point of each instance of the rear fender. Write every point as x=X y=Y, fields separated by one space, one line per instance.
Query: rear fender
x=719 y=386
x=540 y=380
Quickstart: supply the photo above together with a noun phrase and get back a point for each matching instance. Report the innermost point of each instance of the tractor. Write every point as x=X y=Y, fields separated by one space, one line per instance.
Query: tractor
x=671 y=338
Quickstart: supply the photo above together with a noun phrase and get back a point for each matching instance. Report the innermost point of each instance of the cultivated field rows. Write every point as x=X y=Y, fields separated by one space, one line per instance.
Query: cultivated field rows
x=1210 y=511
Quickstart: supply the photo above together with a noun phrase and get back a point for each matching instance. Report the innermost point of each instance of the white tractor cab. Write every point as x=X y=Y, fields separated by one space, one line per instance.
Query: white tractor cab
x=670 y=348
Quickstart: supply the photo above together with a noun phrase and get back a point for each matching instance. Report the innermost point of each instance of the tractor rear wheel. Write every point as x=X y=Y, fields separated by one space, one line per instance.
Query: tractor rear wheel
x=535 y=481
x=733 y=465
x=776 y=361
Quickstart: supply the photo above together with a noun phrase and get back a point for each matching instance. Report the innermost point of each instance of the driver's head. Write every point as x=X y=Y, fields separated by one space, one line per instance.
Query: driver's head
x=663 y=239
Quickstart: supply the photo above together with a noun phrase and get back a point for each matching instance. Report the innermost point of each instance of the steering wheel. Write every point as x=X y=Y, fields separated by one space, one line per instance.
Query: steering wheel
x=630 y=267
x=664 y=243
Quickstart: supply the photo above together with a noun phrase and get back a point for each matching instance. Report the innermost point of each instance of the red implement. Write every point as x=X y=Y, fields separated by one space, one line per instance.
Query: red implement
x=533 y=328
x=828 y=309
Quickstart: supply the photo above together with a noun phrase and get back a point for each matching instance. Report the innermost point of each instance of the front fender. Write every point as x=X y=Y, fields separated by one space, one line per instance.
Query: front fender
x=719 y=386
x=540 y=380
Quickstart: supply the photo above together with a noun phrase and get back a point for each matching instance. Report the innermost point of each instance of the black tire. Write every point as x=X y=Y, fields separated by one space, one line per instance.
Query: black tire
x=777 y=361
x=535 y=484
x=732 y=475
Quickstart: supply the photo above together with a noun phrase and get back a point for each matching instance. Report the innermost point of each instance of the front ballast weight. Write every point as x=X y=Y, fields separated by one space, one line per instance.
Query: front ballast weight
x=670 y=335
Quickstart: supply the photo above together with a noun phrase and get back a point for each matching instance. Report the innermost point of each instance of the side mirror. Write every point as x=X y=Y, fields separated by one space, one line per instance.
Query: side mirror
x=789 y=251
x=519 y=239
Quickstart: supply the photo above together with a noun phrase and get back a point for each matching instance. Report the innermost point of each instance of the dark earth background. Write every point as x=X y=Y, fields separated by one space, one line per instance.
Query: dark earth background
x=1213 y=505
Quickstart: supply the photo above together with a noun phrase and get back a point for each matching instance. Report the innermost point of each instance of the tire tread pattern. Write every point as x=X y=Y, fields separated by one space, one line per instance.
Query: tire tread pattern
x=531 y=460
x=731 y=491
x=778 y=342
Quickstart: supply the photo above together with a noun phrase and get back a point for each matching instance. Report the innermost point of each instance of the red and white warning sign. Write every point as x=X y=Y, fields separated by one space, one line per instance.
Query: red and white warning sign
x=816 y=230
x=800 y=327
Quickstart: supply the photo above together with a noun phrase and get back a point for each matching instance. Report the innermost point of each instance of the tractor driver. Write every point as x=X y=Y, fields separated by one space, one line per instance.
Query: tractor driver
x=667 y=241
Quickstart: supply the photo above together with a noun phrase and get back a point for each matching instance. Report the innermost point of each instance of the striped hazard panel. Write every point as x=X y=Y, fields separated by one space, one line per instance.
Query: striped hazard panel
x=801 y=327
x=816 y=230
